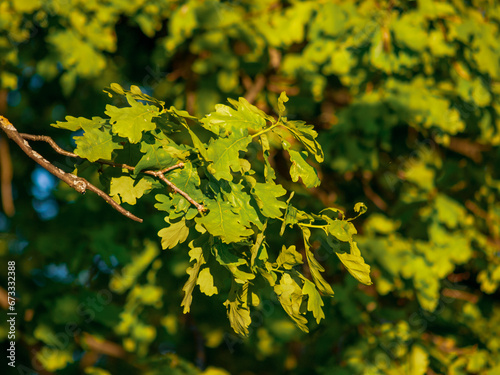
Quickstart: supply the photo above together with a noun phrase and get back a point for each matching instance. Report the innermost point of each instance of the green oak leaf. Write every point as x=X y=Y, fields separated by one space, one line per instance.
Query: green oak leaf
x=290 y=218
x=77 y=123
x=258 y=249
x=316 y=270
x=96 y=144
x=240 y=200
x=182 y=113
x=237 y=309
x=194 y=253
x=206 y=282
x=129 y=189
x=360 y=208
x=188 y=180
x=314 y=302
x=134 y=92
x=269 y=173
x=221 y=221
x=356 y=266
x=334 y=211
x=159 y=155
x=315 y=267
x=354 y=248
x=131 y=122
x=224 y=154
x=343 y=230
x=164 y=202
x=281 y=103
x=307 y=136
x=290 y=296
x=168 y=123
x=226 y=258
x=174 y=234
x=268 y=274
x=294 y=216
x=229 y=119
x=289 y=257
x=199 y=146
x=242 y=102
x=240 y=276
x=300 y=168
x=266 y=195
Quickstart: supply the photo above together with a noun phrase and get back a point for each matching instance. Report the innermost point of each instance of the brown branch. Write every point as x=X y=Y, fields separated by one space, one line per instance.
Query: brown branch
x=490 y=222
x=467 y=148
x=59 y=150
x=4 y=299
x=6 y=178
x=254 y=88
x=162 y=177
x=159 y=174
x=110 y=200
x=50 y=141
x=459 y=294
x=5 y=165
x=476 y=210
x=274 y=58
x=102 y=346
x=78 y=183
x=374 y=197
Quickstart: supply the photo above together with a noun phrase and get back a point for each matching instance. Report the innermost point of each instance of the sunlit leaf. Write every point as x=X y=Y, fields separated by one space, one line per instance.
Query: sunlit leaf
x=267 y=196
x=174 y=234
x=314 y=302
x=223 y=222
x=131 y=122
x=356 y=266
x=300 y=168
x=129 y=189
x=225 y=153
x=290 y=297
x=206 y=282
x=96 y=144
x=289 y=257
x=307 y=136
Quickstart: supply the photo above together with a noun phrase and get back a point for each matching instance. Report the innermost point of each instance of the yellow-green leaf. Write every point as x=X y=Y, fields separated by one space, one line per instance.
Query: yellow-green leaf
x=356 y=266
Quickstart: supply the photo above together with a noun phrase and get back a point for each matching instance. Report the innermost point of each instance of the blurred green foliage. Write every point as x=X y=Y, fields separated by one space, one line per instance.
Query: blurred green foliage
x=405 y=98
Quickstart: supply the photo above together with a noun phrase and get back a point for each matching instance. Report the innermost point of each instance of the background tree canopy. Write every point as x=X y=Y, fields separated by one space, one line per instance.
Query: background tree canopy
x=404 y=96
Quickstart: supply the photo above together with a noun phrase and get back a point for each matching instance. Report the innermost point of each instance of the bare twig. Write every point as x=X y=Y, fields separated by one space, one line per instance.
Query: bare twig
x=460 y=294
x=467 y=148
x=110 y=200
x=254 y=88
x=59 y=150
x=78 y=183
x=374 y=197
x=162 y=177
x=6 y=178
x=490 y=222
x=50 y=141
x=102 y=346
x=158 y=174
x=5 y=166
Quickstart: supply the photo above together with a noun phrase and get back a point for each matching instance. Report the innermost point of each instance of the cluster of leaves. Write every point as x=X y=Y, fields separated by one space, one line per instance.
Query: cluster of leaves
x=405 y=98
x=236 y=204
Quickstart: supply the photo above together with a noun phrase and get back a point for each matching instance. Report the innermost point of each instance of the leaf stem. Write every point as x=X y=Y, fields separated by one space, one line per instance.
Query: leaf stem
x=306 y=225
x=311 y=225
x=263 y=131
